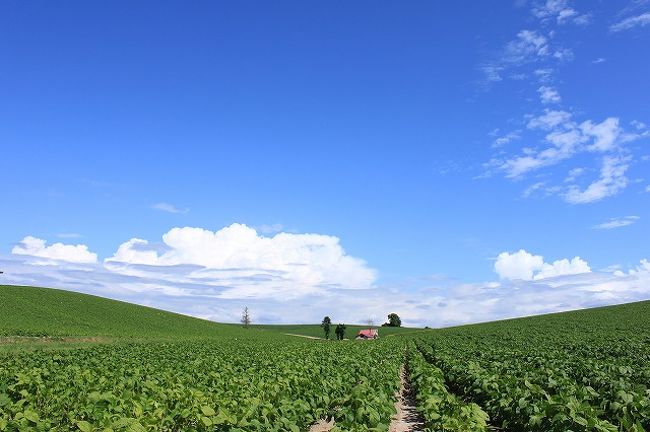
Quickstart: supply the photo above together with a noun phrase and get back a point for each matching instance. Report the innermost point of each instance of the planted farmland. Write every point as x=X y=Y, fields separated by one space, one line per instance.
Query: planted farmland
x=578 y=371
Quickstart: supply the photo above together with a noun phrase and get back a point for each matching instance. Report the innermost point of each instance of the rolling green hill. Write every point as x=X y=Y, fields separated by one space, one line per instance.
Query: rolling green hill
x=31 y=311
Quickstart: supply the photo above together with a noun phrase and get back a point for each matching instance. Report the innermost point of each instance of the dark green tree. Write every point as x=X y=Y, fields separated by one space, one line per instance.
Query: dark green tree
x=394 y=320
x=326 y=324
x=340 y=331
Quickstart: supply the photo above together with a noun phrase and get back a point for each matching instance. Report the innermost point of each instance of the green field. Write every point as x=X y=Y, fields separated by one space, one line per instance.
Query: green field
x=30 y=311
x=576 y=371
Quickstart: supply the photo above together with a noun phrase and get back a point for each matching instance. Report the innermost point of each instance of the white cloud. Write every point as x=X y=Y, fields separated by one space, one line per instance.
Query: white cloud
x=435 y=302
x=549 y=95
x=528 y=44
x=519 y=265
x=567 y=139
x=574 y=174
x=611 y=181
x=169 y=208
x=605 y=134
x=238 y=258
x=638 y=125
x=560 y=11
x=630 y=22
x=563 y=267
x=599 y=60
x=533 y=188
x=36 y=247
x=523 y=265
x=617 y=222
x=506 y=139
x=550 y=120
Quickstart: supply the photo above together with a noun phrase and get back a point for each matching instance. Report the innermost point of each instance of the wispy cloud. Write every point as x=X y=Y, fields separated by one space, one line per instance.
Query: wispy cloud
x=617 y=222
x=503 y=140
x=599 y=60
x=560 y=11
x=169 y=208
x=631 y=22
x=549 y=95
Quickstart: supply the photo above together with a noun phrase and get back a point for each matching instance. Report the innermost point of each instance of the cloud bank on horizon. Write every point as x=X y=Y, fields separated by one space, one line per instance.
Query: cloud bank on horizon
x=289 y=278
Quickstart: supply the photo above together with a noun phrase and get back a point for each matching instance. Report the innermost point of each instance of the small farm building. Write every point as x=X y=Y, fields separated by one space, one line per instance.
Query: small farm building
x=368 y=334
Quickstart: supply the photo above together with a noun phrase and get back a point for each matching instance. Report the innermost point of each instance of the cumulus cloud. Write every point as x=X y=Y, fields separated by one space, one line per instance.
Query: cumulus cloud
x=36 y=247
x=519 y=265
x=617 y=222
x=168 y=208
x=523 y=265
x=238 y=259
x=631 y=22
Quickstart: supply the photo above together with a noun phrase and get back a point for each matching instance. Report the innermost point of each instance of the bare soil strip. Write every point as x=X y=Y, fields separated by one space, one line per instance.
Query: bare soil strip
x=322 y=426
x=407 y=418
x=304 y=336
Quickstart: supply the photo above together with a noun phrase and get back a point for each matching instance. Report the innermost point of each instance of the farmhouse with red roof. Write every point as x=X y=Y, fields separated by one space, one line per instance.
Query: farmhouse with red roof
x=368 y=334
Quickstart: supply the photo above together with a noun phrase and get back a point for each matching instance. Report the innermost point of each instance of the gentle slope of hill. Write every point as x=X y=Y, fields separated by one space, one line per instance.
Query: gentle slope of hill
x=31 y=311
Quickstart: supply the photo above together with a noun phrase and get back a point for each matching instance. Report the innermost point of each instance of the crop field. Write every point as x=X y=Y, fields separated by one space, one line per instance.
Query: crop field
x=577 y=371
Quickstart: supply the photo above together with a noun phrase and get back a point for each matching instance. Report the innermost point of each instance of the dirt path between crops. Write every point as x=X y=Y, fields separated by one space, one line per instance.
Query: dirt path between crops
x=303 y=336
x=322 y=426
x=407 y=418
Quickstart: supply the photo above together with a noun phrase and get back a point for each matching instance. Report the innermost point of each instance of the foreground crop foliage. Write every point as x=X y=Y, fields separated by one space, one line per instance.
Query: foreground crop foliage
x=580 y=371
x=254 y=384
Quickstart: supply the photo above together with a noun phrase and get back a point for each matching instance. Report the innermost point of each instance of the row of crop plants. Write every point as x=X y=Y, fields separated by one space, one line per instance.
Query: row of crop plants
x=254 y=385
x=441 y=410
x=524 y=389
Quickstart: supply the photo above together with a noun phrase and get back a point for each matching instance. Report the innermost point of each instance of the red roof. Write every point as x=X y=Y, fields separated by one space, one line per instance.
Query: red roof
x=369 y=333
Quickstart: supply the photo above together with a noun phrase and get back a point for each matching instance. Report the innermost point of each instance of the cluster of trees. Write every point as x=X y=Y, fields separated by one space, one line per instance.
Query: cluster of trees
x=393 y=321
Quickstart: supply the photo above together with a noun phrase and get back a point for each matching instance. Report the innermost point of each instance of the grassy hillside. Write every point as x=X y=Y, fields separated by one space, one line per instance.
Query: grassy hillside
x=629 y=317
x=30 y=311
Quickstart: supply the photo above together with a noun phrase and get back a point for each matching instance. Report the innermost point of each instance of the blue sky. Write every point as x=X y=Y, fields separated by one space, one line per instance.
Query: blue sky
x=431 y=147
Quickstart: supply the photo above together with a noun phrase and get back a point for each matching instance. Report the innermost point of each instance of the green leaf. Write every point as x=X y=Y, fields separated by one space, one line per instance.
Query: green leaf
x=84 y=426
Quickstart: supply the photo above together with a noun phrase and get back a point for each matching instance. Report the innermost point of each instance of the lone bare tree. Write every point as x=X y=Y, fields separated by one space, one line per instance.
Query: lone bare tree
x=246 y=317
